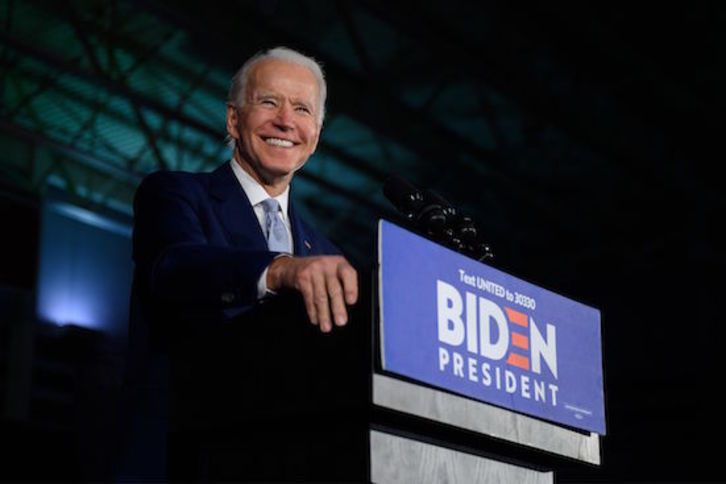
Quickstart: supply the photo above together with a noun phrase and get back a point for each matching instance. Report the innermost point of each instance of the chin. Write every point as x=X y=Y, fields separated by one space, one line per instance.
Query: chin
x=281 y=169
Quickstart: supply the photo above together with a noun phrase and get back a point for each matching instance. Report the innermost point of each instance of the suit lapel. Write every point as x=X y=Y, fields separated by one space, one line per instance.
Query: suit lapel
x=234 y=210
x=303 y=243
x=239 y=221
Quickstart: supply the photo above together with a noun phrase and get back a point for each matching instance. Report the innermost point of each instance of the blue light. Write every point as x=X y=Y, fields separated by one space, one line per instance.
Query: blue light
x=91 y=218
x=84 y=269
x=64 y=305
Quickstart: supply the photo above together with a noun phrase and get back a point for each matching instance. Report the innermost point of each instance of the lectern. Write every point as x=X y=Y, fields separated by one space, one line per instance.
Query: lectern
x=450 y=371
x=478 y=376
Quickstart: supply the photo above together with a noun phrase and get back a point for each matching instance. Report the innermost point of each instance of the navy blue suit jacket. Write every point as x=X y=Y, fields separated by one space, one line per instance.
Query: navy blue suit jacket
x=198 y=246
x=199 y=252
x=193 y=360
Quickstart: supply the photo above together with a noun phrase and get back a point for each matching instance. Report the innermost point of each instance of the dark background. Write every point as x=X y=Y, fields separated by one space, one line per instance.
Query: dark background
x=585 y=140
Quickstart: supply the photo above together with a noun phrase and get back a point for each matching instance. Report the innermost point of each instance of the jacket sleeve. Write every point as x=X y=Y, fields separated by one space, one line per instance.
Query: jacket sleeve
x=175 y=263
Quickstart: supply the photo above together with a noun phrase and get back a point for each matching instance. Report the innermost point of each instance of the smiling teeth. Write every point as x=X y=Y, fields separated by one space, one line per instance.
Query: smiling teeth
x=279 y=142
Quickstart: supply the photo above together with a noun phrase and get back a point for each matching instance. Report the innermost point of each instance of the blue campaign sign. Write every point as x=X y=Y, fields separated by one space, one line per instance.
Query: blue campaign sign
x=460 y=325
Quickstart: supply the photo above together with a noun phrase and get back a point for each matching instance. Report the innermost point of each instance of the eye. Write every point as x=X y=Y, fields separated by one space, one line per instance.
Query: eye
x=268 y=102
x=303 y=109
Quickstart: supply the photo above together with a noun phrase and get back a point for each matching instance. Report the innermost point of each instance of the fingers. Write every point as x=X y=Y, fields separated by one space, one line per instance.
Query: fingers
x=327 y=284
x=349 y=277
x=306 y=289
x=337 y=304
x=320 y=301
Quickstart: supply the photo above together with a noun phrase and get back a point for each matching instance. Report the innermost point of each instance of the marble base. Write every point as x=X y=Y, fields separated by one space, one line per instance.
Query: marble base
x=397 y=459
x=485 y=419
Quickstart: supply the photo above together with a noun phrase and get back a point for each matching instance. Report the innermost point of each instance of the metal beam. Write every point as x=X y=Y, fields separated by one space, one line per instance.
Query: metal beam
x=116 y=88
x=412 y=128
x=346 y=14
x=94 y=161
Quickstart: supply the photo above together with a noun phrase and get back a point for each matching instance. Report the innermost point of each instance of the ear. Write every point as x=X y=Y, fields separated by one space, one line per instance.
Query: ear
x=232 y=119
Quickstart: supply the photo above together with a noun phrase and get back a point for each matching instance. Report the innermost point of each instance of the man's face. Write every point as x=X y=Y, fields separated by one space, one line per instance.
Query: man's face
x=276 y=129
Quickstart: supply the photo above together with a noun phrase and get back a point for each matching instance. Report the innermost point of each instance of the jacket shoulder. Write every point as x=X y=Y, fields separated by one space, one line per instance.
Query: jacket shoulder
x=165 y=183
x=164 y=178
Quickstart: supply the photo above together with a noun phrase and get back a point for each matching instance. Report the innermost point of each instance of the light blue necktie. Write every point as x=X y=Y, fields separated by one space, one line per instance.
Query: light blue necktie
x=275 y=231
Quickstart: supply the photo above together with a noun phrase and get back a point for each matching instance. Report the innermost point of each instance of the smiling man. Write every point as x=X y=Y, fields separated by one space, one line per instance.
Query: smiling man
x=274 y=115
x=222 y=241
x=222 y=263
x=276 y=124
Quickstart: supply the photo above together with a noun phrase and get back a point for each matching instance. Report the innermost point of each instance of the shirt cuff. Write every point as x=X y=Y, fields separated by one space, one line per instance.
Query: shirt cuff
x=262 y=289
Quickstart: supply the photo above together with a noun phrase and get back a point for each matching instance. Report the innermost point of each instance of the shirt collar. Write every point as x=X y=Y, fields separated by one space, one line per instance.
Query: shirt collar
x=254 y=191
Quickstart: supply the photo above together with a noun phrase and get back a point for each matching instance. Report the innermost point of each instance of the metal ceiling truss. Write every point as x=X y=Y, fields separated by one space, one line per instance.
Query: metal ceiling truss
x=485 y=110
x=109 y=117
x=366 y=96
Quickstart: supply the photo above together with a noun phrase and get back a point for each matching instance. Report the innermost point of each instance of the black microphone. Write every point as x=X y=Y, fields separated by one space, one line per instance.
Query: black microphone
x=427 y=210
x=424 y=208
x=437 y=217
x=405 y=197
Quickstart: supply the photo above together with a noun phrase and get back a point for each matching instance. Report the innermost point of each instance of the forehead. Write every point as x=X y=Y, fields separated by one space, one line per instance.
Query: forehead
x=283 y=77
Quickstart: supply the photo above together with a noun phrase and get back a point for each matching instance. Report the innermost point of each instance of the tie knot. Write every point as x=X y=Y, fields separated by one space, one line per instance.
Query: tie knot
x=270 y=205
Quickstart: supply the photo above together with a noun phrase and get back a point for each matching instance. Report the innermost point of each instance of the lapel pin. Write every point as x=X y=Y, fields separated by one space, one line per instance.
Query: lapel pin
x=307 y=244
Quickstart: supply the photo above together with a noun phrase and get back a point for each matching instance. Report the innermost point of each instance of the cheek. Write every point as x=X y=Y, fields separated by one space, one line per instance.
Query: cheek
x=311 y=134
x=249 y=124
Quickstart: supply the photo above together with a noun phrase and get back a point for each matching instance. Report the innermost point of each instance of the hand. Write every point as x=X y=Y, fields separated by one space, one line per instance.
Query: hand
x=327 y=283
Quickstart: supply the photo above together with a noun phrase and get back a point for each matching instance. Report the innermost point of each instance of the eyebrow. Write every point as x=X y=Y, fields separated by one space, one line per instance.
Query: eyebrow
x=264 y=94
x=296 y=101
x=301 y=102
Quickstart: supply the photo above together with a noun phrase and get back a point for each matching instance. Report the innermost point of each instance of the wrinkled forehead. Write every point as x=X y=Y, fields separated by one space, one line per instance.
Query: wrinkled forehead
x=276 y=75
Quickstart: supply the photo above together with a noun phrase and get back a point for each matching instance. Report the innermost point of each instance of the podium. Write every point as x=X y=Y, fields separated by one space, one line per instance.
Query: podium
x=405 y=458
x=441 y=376
x=453 y=341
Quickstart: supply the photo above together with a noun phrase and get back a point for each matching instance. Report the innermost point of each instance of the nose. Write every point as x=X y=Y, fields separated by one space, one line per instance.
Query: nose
x=284 y=118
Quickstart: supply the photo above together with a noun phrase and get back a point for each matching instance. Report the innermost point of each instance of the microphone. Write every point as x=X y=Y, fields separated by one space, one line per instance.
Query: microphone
x=436 y=217
x=423 y=208
x=405 y=197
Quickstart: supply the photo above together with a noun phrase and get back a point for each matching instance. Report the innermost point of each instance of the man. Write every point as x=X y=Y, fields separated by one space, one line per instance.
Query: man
x=200 y=239
x=221 y=259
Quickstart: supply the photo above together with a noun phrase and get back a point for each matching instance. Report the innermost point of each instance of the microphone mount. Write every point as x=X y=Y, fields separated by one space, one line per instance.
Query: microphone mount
x=430 y=214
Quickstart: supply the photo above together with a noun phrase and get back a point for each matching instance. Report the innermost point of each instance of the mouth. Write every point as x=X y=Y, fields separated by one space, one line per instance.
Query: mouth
x=282 y=143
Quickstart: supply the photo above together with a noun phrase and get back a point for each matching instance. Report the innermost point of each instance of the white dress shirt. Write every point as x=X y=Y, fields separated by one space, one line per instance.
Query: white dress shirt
x=256 y=195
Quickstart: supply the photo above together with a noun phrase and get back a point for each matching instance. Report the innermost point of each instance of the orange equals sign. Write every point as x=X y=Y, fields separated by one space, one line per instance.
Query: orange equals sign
x=520 y=319
x=518 y=360
x=520 y=341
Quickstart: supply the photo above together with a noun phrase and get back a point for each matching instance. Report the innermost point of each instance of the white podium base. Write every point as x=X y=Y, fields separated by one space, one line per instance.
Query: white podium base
x=397 y=459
